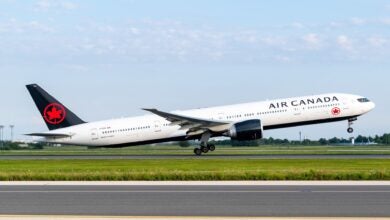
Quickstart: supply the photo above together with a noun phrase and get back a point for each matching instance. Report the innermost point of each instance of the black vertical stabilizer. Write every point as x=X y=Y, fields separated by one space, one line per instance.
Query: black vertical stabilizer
x=53 y=112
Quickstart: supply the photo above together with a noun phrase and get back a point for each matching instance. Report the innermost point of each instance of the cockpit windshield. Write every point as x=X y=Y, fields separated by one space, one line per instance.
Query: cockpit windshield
x=363 y=100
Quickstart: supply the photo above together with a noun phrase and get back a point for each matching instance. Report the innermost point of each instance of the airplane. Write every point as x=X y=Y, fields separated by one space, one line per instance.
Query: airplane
x=239 y=122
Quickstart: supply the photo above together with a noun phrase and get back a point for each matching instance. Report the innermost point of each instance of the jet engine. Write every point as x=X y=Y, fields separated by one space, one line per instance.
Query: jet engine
x=246 y=130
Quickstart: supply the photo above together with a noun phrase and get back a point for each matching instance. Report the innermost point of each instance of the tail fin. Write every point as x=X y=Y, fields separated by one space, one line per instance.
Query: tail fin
x=53 y=112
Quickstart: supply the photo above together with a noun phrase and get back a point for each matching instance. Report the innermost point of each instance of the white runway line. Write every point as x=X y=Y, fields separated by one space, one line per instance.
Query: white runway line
x=195 y=183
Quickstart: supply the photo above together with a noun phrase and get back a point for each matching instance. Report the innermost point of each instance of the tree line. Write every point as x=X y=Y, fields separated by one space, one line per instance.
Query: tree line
x=381 y=140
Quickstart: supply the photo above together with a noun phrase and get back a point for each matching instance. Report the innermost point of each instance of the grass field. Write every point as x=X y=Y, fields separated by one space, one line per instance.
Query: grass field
x=176 y=150
x=196 y=169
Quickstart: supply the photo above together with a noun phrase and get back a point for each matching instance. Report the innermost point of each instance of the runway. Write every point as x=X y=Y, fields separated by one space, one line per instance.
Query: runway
x=208 y=156
x=246 y=200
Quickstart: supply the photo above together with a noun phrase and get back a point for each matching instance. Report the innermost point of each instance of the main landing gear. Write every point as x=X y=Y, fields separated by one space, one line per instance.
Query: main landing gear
x=204 y=149
x=350 y=123
x=204 y=146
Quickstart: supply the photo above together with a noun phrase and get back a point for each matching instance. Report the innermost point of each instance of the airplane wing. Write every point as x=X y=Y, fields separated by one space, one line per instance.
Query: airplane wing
x=49 y=135
x=194 y=125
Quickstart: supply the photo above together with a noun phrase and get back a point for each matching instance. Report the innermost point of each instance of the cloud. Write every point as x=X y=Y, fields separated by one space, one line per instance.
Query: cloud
x=297 y=25
x=344 y=42
x=43 y=4
x=46 y=5
x=312 y=40
x=385 y=21
x=68 y=5
x=283 y=59
x=376 y=41
x=358 y=21
x=148 y=41
x=15 y=26
x=39 y=26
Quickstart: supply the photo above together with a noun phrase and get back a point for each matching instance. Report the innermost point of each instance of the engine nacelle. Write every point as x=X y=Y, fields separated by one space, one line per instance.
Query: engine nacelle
x=246 y=130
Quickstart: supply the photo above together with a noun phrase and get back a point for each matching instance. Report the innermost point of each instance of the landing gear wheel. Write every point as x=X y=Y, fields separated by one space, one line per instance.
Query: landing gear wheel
x=204 y=149
x=350 y=123
x=211 y=147
x=197 y=151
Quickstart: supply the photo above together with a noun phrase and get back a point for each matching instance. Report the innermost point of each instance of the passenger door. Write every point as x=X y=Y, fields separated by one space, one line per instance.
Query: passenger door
x=94 y=134
x=157 y=126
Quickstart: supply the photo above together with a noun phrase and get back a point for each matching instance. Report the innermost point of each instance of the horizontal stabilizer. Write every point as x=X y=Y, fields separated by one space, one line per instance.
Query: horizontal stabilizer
x=49 y=135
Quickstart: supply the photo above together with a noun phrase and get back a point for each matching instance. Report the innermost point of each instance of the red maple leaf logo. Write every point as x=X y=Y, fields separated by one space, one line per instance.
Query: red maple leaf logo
x=54 y=113
x=336 y=111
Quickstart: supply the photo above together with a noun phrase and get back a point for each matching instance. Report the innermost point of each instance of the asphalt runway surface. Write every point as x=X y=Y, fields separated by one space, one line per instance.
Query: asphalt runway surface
x=208 y=156
x=197 y=200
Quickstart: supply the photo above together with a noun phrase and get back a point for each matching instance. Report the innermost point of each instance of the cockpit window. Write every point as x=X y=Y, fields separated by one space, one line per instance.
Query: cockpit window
x=363 y=100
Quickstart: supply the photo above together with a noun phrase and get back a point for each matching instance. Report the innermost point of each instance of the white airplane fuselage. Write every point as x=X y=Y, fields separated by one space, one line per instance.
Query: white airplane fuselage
x=273 y=114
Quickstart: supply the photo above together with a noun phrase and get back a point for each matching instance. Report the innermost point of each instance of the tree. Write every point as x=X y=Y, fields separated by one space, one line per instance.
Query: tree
x=323 y=141
x=334 y=140
x=386 y=139
x=184 y=144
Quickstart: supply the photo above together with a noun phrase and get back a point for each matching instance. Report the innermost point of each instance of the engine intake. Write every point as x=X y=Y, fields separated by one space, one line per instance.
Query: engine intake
x=246 y=130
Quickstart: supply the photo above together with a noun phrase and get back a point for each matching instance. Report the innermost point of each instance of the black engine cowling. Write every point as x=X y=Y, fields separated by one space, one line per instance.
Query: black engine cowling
x=246 y=130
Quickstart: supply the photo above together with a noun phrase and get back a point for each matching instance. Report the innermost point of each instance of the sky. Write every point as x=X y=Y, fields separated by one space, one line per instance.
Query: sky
x=109 y=59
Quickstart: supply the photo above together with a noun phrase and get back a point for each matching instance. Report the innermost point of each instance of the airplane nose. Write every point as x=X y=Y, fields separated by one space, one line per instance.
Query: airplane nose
x=372 y=106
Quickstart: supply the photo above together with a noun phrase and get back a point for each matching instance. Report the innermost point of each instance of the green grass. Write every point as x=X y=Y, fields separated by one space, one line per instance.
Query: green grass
x=176 y=150
x=196 y=169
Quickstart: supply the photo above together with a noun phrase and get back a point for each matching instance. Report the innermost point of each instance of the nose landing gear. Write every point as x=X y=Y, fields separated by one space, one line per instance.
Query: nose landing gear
x=350 y=123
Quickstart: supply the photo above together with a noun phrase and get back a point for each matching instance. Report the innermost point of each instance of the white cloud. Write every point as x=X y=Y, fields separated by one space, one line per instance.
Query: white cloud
x=68 y=5
x=274 y=41
x=39 y=26
x=358 y=21
x=335 y=24
x=376 y=41
x=163 y=41
x=385 y=21
x=344 y=42
x=297 y=25
x=283 y=59
x=134 y=30
x=15 y=26
x=312 y=40
x=46 y=5
x=43 y=4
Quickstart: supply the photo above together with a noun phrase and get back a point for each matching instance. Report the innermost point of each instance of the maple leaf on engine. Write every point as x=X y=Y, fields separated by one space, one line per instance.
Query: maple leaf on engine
x=54 y=113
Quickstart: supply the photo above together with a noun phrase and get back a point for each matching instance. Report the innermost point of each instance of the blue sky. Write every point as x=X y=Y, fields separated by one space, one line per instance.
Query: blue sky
x=108 y=59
